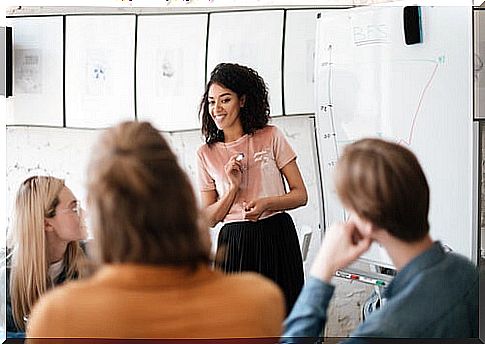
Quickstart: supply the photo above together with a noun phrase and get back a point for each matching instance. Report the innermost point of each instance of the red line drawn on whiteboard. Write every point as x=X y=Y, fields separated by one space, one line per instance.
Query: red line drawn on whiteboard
x=411 y=131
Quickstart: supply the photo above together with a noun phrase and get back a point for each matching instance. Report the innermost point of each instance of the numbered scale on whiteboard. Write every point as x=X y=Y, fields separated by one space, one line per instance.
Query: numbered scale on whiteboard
x=337 y=125
x=331 y=141
x=327 y=135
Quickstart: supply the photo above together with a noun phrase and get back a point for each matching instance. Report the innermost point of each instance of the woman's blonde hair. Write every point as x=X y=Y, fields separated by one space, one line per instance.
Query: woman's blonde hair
x=36 y=200
x=141 y=202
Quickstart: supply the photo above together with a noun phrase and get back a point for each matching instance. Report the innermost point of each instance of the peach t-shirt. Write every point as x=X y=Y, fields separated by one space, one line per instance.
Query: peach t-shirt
x=266 y=152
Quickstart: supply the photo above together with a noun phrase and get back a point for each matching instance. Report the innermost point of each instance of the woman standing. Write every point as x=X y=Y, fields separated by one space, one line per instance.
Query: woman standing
x=44 y=248
x=242 y=168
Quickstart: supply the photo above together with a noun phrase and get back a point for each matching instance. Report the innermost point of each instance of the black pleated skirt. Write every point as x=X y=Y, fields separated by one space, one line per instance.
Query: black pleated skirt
x=269 y=247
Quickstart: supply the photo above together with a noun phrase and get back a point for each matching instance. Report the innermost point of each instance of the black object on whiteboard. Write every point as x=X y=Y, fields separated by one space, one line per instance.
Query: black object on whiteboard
x=412 y=25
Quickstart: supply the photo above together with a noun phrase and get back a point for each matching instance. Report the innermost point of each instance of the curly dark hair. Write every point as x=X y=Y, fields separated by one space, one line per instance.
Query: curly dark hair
x=243 y=81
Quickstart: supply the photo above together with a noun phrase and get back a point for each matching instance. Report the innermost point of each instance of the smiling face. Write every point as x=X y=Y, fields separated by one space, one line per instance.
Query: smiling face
x=224 y=107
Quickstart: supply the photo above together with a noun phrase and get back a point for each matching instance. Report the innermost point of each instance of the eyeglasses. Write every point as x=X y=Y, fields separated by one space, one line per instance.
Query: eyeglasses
x=76 y=209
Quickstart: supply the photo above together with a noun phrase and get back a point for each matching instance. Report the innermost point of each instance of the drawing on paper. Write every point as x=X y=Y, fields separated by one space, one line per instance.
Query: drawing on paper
x=167 y=69
x=28 y=71
x=169 y=64
x=97 y=77
x=99 y=72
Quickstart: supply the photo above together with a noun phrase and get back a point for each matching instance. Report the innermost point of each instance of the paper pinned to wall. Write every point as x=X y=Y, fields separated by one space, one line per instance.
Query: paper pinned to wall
x=299 y=86
x=28 y=71
x=253 y=39
x=171 y=69
x=99 y=70
x=37 y=46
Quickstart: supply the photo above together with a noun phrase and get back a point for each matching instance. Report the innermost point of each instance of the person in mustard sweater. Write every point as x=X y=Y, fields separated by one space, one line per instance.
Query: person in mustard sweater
x=154 y=279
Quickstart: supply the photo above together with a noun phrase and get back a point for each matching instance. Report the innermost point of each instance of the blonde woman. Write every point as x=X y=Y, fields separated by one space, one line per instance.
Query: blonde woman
x=155 y=279
x=44 y=248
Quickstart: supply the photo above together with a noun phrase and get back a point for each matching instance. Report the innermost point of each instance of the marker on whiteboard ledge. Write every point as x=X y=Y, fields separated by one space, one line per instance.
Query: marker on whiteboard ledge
x=360 y=278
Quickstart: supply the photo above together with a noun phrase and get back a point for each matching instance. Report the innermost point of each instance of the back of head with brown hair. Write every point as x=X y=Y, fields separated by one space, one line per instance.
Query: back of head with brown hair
x=143 y=206
x=384 y=183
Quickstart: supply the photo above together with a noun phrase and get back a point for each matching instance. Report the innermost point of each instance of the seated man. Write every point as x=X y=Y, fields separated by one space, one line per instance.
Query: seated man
x=434 y=293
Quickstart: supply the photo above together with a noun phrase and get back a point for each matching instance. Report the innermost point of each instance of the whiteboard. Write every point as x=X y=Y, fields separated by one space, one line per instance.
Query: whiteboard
x=171 y=69
x=369 y=83
x=299 y=85
x=38 y=72
x=100 y=59
x=251 y=38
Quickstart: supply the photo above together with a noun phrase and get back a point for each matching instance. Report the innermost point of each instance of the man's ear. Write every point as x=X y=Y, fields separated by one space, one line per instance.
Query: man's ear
x=242 y=100
x=48 y=225
x=364 y=226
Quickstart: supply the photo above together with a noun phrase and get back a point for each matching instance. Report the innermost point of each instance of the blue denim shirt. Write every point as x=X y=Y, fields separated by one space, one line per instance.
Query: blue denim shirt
x=433 y=296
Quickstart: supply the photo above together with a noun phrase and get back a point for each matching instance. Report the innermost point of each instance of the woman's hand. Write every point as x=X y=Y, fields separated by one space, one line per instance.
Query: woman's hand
x=254 y=209
x=341 y=246
x=233 y=170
